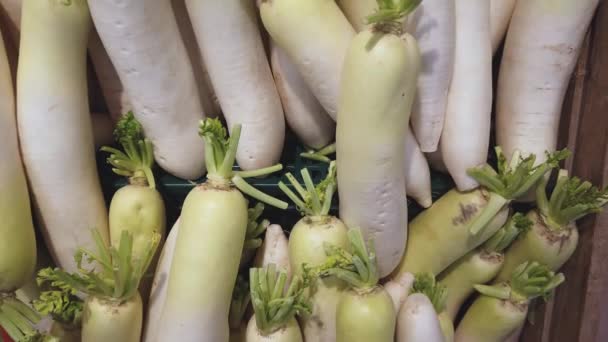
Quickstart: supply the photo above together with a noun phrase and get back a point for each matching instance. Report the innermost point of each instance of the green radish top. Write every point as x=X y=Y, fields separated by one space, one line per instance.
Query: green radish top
x=313 y=200
x=359 y=269
x=390 y=13
x=502 y=239
x=61 y=302
x=320 y=155
x=137 y=160
x=120 y=273
x=255 y=229
x=530 y=280
x=509 y=181
x=220 y=155
x=18 y=320
x=274 y=306
x=240 y=302
x=426 y=284
x=570 y=200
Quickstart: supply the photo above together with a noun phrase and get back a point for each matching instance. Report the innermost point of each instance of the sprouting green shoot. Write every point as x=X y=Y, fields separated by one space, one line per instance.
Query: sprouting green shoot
x=240 y=302
x=255 y=229
x=320 y=155
x=312 y=200
x=120 y=272
x=426 y=284
x=359 y=268
x=530 y=280
x=220 y=156
x=570 y=200
x=274 y=306
x=137 y=160
x=18 y=319
x=60 y=301
x=391 y=11
x=502 y=239
x=510 y=181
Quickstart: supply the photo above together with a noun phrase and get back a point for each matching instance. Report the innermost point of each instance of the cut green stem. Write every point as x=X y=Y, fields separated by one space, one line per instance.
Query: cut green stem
x=320 y=155
x=312 y=200
x=502 y=239
x=426 y=284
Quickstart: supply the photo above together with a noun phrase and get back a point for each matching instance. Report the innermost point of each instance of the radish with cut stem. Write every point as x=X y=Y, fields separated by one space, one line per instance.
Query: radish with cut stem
x=500 y=16
x=541 y=51
x=231 y=45
x=214 y=214
x=55 y=129
x=481 y=265
x=426 y=284
x=315 y=35
x=275 y=308
x=502 y=309
x=417 y=321
x=377 y=91
x=303 y=112
x=459 y=222
x=470 y=94
x=306 y=247
x=143 y=41
x=554 y=236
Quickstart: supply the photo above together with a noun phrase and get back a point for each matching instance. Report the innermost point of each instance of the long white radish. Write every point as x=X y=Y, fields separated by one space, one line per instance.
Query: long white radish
x=357 y=11
x=378 y=87
x=143 y=41
x=437 y=293
x=209 y=245
x=417 y=172
x=274 y=250
x=303 y=112
x=209 y=101
x=17 y=239
x=231 y=45
x=500 y=16
x=417 y=321
x=55 y=126
x=399 y=288
x=541 y=50
x=433 y=25
x=466 y=133
x=315 y=35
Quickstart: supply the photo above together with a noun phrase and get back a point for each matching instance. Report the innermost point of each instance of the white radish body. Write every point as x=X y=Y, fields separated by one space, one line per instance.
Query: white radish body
x=105 y=320
x=144 y=44
x=542 y=46
x=208 y=99
x=231 y=45
x=433 y=25
x=315 y=35
x=399 y=288
x=274 y=250
x=466 y=133
x=417 y=172
x=379 y=80
x=158 y=294
x=103 y=129
x=500 y=16
x=303 y=112
x=289 y=333
x=417 y=321
x=357 y=11
x=55 y=126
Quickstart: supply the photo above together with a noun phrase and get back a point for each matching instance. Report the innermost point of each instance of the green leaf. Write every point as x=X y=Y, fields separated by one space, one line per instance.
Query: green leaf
x=426 y=284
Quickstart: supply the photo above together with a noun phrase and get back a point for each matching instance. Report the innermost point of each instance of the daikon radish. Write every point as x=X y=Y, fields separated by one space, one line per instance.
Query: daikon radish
x=356 y=11
x=315 y=35
x=231 y=45
x=542 y=46
x=417 y=321
x=144 y=44
x=417 y=172
x=466 y=133
x=303 y=112
x=399 y=288
x=500 y=16
x=274 y=250
x=55 y=126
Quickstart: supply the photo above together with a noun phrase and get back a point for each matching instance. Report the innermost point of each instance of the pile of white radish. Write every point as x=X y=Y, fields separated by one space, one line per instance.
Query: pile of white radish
x=375 y=93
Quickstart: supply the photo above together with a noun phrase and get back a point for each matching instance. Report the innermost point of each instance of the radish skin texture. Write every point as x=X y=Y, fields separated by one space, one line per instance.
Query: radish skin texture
x=55 y=126
x=365 y=316
x=289 y=333
x=379 y=80
x=231 y=45
x=303 y=112
x=144 y=44
x=399 y=289
x=466 y=133
x=158 y=293
x=17 y=238
x=315 y=35
x=494 y=320
x=274 y=250
x=433 y=25
x=439 y=235
x=541 y=50
x=357 y=11
x=417 y=172
x=417 y=321
x=102 y=129
x=500 y=16
x=112 y=321
x=209 y=101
